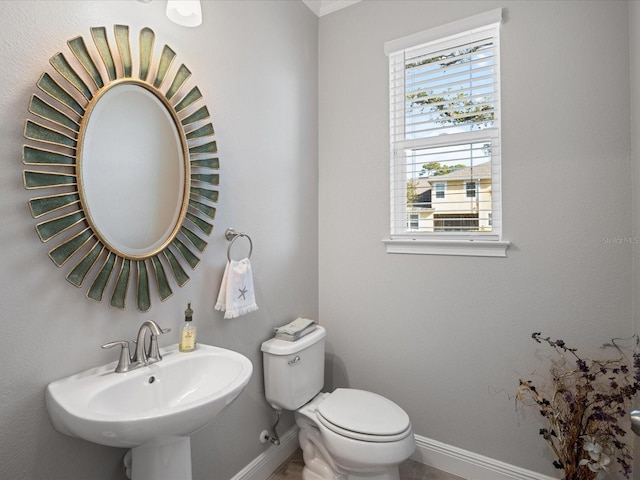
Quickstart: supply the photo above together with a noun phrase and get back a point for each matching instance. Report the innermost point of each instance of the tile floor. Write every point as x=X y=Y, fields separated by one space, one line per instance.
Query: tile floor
x=409 y=470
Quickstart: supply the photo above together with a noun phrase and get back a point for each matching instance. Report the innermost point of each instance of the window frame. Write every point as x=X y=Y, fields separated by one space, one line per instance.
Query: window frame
x=414 y=218
x=444 y=243
x=473 y=191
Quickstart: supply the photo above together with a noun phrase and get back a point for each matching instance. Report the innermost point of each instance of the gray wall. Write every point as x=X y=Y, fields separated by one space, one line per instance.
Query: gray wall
x=256 y=64
x=448 y=337
x=634 y=44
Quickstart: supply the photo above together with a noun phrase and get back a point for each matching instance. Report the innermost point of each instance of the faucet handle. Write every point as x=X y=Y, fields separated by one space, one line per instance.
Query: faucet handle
x=124 y=362
x=153 y=355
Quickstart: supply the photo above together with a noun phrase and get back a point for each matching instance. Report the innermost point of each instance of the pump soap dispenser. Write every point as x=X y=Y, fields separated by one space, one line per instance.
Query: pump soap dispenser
x=188 y=332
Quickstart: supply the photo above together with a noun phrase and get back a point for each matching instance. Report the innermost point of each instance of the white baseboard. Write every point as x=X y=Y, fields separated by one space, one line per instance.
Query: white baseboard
x=268 y=461
x=467 y=464
x=436 y=454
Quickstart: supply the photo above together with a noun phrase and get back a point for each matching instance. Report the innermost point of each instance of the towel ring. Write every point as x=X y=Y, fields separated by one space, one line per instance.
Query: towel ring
x=231 y=235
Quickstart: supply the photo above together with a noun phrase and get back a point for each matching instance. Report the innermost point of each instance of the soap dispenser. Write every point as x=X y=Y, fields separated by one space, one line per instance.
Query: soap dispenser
x=188 y=332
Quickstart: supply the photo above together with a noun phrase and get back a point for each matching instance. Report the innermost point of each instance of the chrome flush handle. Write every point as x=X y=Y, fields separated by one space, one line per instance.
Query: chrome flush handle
x=295 y=360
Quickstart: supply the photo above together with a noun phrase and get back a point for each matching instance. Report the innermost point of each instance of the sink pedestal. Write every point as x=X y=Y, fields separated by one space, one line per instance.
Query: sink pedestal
x=165 y=458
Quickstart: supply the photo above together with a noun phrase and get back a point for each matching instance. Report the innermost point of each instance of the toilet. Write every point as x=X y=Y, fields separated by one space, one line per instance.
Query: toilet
x=347 y=434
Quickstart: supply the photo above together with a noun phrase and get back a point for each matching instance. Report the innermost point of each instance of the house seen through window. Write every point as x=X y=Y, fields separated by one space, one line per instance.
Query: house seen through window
x=445 y=132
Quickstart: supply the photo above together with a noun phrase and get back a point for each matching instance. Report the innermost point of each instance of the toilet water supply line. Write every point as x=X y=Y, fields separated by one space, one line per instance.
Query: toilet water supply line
x=275 y=438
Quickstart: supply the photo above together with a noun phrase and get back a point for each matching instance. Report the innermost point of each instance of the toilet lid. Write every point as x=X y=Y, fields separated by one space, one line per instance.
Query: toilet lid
x=364 y=412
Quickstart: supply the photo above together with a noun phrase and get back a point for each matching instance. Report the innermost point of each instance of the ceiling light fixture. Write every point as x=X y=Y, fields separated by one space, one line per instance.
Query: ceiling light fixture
x=187 y=13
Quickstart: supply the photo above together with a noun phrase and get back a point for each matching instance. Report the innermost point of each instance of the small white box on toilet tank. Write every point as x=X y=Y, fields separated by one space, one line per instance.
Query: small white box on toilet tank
x=293 y=371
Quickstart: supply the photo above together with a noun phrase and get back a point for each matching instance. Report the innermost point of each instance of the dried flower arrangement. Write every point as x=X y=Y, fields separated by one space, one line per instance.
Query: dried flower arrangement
x=582 y=406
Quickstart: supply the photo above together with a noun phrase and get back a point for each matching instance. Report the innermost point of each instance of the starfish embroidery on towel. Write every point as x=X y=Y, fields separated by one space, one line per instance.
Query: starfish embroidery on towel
x=243 y=292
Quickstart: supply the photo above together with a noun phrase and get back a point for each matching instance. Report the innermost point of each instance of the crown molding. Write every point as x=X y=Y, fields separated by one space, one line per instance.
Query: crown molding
x=325 y=7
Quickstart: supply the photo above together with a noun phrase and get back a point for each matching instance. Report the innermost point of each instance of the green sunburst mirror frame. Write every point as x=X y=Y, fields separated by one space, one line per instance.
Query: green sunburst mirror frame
x=61 y=110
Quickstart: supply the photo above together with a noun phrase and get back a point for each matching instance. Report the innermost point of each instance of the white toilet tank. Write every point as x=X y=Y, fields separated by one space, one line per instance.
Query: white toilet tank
x=293 y=371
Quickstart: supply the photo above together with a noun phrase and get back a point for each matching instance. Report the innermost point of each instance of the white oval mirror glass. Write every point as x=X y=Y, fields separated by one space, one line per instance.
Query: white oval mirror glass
x=132 y=171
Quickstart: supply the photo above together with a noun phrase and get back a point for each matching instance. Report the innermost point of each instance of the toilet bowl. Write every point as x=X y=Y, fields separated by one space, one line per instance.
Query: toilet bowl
x=363 y=434
x=347 y=434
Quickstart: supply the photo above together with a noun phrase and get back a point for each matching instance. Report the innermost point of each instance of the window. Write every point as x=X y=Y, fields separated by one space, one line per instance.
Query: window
x=455 y=222
x=414 y=221
x=445 y=137
x=471 y=189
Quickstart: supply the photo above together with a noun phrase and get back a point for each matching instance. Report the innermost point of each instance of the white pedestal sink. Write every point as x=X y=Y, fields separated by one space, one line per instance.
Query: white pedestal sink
x=152 y=410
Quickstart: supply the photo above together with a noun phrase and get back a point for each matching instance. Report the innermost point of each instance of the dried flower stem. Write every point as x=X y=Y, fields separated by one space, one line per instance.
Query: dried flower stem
x=582 y=409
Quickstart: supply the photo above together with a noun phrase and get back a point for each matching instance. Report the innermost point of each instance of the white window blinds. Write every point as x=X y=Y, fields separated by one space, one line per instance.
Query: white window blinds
x=445 y=120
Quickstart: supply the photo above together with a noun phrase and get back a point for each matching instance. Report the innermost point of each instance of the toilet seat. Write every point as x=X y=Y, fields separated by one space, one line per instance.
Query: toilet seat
x=364 y=416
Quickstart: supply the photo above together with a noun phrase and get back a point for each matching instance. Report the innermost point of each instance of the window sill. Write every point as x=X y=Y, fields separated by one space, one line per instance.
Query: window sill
x=472 y=248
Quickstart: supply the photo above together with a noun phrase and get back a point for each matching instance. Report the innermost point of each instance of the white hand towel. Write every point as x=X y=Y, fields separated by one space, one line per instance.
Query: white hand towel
x=236 y=296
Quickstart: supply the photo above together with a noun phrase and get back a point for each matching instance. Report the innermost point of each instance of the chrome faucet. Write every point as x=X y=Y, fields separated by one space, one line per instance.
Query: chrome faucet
x=152 y=355
x=142 y=357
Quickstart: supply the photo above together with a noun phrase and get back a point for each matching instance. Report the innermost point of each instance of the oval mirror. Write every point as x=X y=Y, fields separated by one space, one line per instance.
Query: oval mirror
x=131 y=170
x=125 y=154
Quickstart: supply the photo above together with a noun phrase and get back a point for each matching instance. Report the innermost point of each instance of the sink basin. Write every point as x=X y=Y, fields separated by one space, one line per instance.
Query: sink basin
x=152 y=409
